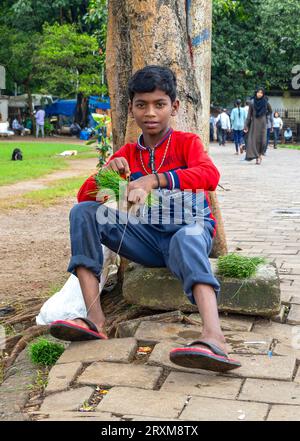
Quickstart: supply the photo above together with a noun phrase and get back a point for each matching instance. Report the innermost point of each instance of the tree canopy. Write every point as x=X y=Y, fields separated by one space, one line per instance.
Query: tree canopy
x=255 y=43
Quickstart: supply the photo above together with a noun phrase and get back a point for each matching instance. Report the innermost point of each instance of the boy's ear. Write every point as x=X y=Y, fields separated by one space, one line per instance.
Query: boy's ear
x=175 y=107
x=130 y=109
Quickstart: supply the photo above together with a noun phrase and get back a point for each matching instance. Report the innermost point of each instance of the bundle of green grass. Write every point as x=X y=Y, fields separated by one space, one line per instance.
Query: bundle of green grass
x=236 y=266
x=109 y=179
x=44 y=352
x=112 y=181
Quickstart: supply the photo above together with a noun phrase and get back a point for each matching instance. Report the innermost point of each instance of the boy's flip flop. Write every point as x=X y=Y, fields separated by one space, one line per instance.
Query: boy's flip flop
x=212 y=359
x=64 y=330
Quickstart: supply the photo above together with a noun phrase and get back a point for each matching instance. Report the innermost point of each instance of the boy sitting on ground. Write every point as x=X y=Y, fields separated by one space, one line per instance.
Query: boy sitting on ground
x=170 y=163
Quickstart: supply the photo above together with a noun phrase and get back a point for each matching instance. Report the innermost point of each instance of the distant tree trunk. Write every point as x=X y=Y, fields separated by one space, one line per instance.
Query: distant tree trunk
x=173 y=33
x=81 y=111
x=30 y=105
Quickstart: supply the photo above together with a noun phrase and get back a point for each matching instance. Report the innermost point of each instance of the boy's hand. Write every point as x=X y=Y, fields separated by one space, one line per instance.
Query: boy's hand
x=138 y=190
x=119 y=165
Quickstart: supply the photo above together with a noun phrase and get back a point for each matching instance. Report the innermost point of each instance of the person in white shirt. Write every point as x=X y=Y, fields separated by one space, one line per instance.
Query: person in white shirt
x=223 y=126
x=40 y=122
x=277 y=127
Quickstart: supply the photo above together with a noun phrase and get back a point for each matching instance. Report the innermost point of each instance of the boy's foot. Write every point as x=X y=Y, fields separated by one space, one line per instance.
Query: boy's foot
x=206 y=353
x=79 y=329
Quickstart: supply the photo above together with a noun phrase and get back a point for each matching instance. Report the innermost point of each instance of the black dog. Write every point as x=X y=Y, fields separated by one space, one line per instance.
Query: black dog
x=17 y=155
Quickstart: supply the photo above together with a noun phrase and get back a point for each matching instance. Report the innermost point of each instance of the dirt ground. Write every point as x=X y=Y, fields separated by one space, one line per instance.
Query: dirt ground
x=34 y=243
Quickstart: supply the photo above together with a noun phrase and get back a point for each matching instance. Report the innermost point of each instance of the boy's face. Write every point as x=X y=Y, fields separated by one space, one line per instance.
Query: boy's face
x=152 y=111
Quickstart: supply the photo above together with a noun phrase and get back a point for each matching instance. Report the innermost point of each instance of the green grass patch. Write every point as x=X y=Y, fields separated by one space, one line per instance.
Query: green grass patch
x=38 y=159
x=289 y=146
x=44 y=352
x=236 y=266
x=63 y=188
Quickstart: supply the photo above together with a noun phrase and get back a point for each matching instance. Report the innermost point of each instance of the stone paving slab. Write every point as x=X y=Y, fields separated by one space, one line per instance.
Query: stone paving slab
x=127 y=400
x=160 y=357
x=279 y=331
x=288 y=349
x=202 y=385
x=284 y=413
x=151 y=333
x=268 y=391
x=231 y=322
x=295 y=300
x=210 y=409
x=61 y=375
x=264 y=367
x=119 y=350
x=247 y=342
x=143 y=418
x=64 y=401
x=116 y=374
x=293 y=317
x=80 y=416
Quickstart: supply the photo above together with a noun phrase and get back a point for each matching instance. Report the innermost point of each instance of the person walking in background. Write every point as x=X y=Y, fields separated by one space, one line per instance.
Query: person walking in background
x=40 y=122
x=269 y=131
x=211 y=128
x=256 y=126
x=277 y=127
x=223 y=122
x=246 y=108
x=238 y=119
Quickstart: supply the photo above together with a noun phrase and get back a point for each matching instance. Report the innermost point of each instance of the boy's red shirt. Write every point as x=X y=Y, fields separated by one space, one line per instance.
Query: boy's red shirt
x=187 y=166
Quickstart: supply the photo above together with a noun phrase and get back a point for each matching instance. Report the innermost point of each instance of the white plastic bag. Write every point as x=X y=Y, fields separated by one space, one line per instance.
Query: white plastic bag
x=68 y=303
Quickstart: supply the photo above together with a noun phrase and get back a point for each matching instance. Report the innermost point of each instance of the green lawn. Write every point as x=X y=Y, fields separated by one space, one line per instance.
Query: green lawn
x=288 y=146
x=56 y=191
x=38 y=159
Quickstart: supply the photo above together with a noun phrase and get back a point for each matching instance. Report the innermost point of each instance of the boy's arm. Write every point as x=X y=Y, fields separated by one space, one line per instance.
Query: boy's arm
x=89 y=186
x=200 y=174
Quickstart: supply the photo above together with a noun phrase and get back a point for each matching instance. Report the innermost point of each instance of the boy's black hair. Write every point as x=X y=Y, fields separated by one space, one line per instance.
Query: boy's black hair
x=153 y=77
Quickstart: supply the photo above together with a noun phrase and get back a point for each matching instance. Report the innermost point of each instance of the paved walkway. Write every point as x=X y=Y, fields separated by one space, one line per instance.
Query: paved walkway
x=124 y=383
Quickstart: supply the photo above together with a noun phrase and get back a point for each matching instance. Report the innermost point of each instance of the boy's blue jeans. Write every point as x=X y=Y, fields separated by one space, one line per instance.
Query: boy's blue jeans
x=186 y=255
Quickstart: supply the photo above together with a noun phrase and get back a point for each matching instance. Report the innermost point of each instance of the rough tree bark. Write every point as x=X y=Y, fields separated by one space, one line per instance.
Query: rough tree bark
x=173 y=33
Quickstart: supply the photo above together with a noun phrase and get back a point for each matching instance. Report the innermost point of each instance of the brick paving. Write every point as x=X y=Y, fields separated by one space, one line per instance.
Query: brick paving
x=266 y=387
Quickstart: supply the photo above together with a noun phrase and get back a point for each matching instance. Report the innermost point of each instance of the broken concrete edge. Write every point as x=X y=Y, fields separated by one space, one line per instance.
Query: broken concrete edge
x=265 y=271
x=259 y=295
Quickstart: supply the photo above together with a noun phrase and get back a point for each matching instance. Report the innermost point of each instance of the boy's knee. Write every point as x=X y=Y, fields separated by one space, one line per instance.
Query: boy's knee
x=83 y=209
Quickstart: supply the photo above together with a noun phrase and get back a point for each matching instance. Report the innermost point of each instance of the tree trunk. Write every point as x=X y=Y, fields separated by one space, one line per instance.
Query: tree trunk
x=81 y=111
x=118 y=68
x=173 y=33
x=30 y=105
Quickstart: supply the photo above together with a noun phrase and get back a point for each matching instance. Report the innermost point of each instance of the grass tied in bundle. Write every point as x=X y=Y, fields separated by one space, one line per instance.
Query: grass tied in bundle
x=236 y=266
x=45 y=352
x=109 y=183
x=109 y=180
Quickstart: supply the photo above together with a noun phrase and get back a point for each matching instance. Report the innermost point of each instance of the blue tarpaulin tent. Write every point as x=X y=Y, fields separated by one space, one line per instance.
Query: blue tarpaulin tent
x=96 y=102
x=67 y=107
x=61 y=107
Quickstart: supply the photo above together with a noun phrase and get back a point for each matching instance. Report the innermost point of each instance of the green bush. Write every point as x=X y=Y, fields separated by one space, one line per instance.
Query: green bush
x=45 y=352
x=240 y=267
